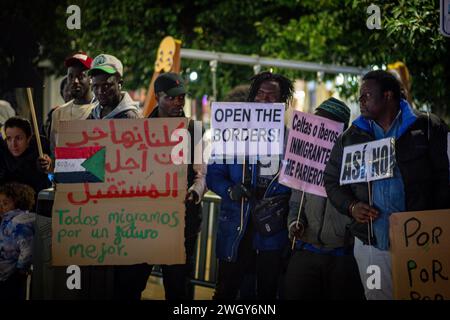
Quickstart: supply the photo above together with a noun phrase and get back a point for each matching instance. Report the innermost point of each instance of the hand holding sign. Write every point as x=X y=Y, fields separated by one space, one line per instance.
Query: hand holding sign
x=45 y=162
x=296 y=230
x=238 y=192
x=191 y=197
x=362 y=212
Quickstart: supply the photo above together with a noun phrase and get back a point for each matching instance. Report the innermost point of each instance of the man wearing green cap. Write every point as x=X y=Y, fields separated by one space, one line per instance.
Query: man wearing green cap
x=322 y=266
x=112 y=102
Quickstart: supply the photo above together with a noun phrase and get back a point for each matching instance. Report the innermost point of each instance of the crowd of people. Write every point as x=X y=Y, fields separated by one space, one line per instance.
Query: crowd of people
x=331 y=247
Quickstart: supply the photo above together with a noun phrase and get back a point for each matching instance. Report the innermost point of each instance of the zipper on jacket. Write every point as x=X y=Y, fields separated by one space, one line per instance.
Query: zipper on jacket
x=273 y=180
x=322 y=221
x=242 y=222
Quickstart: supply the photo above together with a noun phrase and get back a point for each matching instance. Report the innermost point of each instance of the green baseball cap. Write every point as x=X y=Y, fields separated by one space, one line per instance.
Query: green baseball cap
x=106 y=63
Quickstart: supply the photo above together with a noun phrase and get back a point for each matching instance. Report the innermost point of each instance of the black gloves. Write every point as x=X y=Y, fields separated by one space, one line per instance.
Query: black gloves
x=296 y=230
x=239 y=191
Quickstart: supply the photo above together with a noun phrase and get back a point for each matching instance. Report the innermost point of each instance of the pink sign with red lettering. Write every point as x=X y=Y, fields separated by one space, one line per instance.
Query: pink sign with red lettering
x=308 y=149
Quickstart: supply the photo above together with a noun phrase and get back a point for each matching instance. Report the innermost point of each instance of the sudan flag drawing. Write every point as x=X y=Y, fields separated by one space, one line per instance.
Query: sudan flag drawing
x=78 y=165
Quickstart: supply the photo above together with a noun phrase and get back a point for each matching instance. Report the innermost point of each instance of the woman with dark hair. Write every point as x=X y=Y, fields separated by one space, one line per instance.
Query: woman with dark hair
x=19 y=156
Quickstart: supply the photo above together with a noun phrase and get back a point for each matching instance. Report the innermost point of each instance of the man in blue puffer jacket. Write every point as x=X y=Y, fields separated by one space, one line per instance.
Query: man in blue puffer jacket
x=239 y=245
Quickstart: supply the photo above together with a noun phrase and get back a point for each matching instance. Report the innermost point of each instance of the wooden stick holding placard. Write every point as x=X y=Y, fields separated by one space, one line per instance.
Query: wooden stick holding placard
x=35 y=124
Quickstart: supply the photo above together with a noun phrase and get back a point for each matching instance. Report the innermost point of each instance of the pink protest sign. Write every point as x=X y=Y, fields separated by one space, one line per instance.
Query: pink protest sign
x=308 y=149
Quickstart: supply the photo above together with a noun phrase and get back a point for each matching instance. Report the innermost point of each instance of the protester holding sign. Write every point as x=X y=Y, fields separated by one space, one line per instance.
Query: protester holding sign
x=420 y=176
x=170 y=94
x=323 y=266
x=19 y=157
x=240 y=245
x=112 y=103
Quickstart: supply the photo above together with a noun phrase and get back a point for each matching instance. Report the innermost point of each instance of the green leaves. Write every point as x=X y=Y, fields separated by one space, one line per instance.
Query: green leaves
x=336 y=33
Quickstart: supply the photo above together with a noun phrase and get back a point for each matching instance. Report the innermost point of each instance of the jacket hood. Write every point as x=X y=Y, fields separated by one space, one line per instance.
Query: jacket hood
x=407 y=119
x=126 y=104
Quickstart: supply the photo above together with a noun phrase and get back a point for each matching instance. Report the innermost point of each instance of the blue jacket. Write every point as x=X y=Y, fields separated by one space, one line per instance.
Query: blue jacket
x=16 y=242
x=388 y=194
x=229 y=232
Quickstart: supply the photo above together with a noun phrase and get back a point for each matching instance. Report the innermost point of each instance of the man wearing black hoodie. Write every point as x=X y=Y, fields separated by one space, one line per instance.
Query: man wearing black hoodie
x=170 y=93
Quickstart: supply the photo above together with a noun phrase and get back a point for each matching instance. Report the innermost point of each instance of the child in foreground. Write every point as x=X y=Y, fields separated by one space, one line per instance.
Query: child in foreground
x=16 y=239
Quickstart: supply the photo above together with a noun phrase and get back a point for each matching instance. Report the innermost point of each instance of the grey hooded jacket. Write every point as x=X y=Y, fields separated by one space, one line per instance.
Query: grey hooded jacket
x=126 y=109
x=324 y=226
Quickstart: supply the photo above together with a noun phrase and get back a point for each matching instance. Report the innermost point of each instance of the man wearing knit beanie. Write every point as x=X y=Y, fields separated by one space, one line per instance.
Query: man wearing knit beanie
x=335 y=110
x=322 y=266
